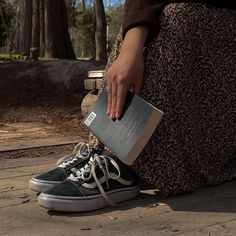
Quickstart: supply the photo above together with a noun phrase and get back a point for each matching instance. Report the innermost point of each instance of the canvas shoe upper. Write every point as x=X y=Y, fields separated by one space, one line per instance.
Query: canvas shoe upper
x=71 y=164
x=78 y=149
x=98 y=184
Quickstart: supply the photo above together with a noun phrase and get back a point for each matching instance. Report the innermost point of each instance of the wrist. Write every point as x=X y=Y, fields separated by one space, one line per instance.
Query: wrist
x=134 y=40
x=130 y=52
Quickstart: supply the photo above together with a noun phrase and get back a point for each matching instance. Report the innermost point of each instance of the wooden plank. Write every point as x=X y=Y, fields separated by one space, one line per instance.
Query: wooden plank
x=96 y=73
x=35 y=143
x=7 y=164
x=209 y=211
x=16 y=173
x=17 y=197
x=91 y=84
x=10 y=132
x=14 y=179
x=99 y=83
x=24 y=171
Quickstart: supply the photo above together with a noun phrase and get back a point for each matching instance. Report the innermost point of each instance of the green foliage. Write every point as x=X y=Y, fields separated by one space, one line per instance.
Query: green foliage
x=7 y=12
x=9 y=57
x=85 y=32
x=82 y=25
x=114 y=21
x=71 y=12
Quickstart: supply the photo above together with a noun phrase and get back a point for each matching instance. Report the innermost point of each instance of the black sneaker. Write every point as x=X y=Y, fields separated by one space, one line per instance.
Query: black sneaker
x=71 y=164
x=76 y=152
x=98 y=184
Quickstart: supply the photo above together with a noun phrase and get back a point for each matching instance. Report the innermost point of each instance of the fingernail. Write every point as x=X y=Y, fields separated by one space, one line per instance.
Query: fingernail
x=117 y=115
x=112 y=116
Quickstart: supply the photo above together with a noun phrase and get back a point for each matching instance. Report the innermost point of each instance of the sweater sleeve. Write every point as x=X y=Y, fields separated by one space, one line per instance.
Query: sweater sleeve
x=142 y=12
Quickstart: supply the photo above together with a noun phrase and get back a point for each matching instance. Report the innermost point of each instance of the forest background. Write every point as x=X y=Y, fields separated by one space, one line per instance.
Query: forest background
x=64 y=29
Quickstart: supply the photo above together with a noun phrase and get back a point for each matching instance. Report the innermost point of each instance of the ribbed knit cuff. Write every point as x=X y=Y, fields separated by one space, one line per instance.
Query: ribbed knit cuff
x=142 y=12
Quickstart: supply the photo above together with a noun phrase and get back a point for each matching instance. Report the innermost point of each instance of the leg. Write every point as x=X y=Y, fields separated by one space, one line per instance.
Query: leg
x=190 y=75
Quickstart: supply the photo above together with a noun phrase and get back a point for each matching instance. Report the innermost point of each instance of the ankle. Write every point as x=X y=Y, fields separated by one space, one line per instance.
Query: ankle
x=106 y=152
x=125 y=169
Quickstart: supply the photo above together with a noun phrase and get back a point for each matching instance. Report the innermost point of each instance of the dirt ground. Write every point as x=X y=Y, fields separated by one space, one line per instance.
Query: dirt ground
x=59 y=122
x=47 y=93
x=67 y=120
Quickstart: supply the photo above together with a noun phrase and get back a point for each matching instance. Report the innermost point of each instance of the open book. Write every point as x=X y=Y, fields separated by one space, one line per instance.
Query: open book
x=125 y=137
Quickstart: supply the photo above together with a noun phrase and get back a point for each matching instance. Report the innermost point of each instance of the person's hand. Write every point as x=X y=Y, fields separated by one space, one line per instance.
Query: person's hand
x=126 y=72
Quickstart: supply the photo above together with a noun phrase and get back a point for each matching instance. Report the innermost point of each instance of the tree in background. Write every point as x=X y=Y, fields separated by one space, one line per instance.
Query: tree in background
x=88 y=29
x=100 y=31
x=20 y=40
x=42 y=28
x=82 y=25
x=42 y=24
x=85 y=35
x=6 y=17
x=36 y=24
x=114 y=22
x=27 y=30
x=51 y=26
x=57 y=38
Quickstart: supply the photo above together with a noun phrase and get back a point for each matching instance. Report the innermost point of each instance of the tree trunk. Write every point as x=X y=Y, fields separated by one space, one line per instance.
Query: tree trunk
x=57 y=38
x=42 y=28
x=27 y=26
x=100 y=32
x=19 y=26
x=36 y=24
x=84 y=5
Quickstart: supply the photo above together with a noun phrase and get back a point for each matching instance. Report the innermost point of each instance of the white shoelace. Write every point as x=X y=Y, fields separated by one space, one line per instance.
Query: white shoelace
x=89 y=169
x=78 y=152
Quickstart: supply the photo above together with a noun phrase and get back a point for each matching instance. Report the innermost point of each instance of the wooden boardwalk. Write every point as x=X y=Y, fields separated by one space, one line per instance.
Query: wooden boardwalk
x=209 y=211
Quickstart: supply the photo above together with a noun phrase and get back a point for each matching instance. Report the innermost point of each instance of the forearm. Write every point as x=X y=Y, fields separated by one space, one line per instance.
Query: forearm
x=134 y=41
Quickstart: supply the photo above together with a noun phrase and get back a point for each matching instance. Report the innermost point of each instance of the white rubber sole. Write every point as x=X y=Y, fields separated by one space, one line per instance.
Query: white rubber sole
x=41 y=185
x=84 y=204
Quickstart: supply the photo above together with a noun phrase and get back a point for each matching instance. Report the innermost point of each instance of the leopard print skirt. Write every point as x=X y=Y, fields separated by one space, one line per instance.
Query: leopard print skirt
x=190 y=72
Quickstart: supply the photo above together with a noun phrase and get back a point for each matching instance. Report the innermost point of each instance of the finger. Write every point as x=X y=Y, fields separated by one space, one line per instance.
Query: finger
x=121 y=96
x=113 y=100
x=109 y=99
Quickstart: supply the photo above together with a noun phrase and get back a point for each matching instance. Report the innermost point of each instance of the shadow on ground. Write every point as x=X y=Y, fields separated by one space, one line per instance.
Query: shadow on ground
x=217 y=199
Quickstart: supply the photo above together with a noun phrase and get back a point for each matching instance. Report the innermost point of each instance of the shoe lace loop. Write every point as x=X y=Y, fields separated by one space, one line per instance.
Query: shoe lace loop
x=81 y=150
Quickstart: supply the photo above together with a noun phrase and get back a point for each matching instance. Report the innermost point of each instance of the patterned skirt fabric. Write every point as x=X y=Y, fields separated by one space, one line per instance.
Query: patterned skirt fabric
x=190 y=74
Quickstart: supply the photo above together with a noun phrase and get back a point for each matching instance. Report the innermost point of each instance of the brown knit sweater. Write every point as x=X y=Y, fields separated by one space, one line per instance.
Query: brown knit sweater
x=146 y=12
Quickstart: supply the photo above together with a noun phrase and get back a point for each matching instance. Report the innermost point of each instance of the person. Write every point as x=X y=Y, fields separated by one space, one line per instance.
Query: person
x=180 y=56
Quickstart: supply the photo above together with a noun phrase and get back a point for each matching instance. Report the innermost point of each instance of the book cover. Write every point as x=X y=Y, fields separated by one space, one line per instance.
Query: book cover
x=127 y=136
